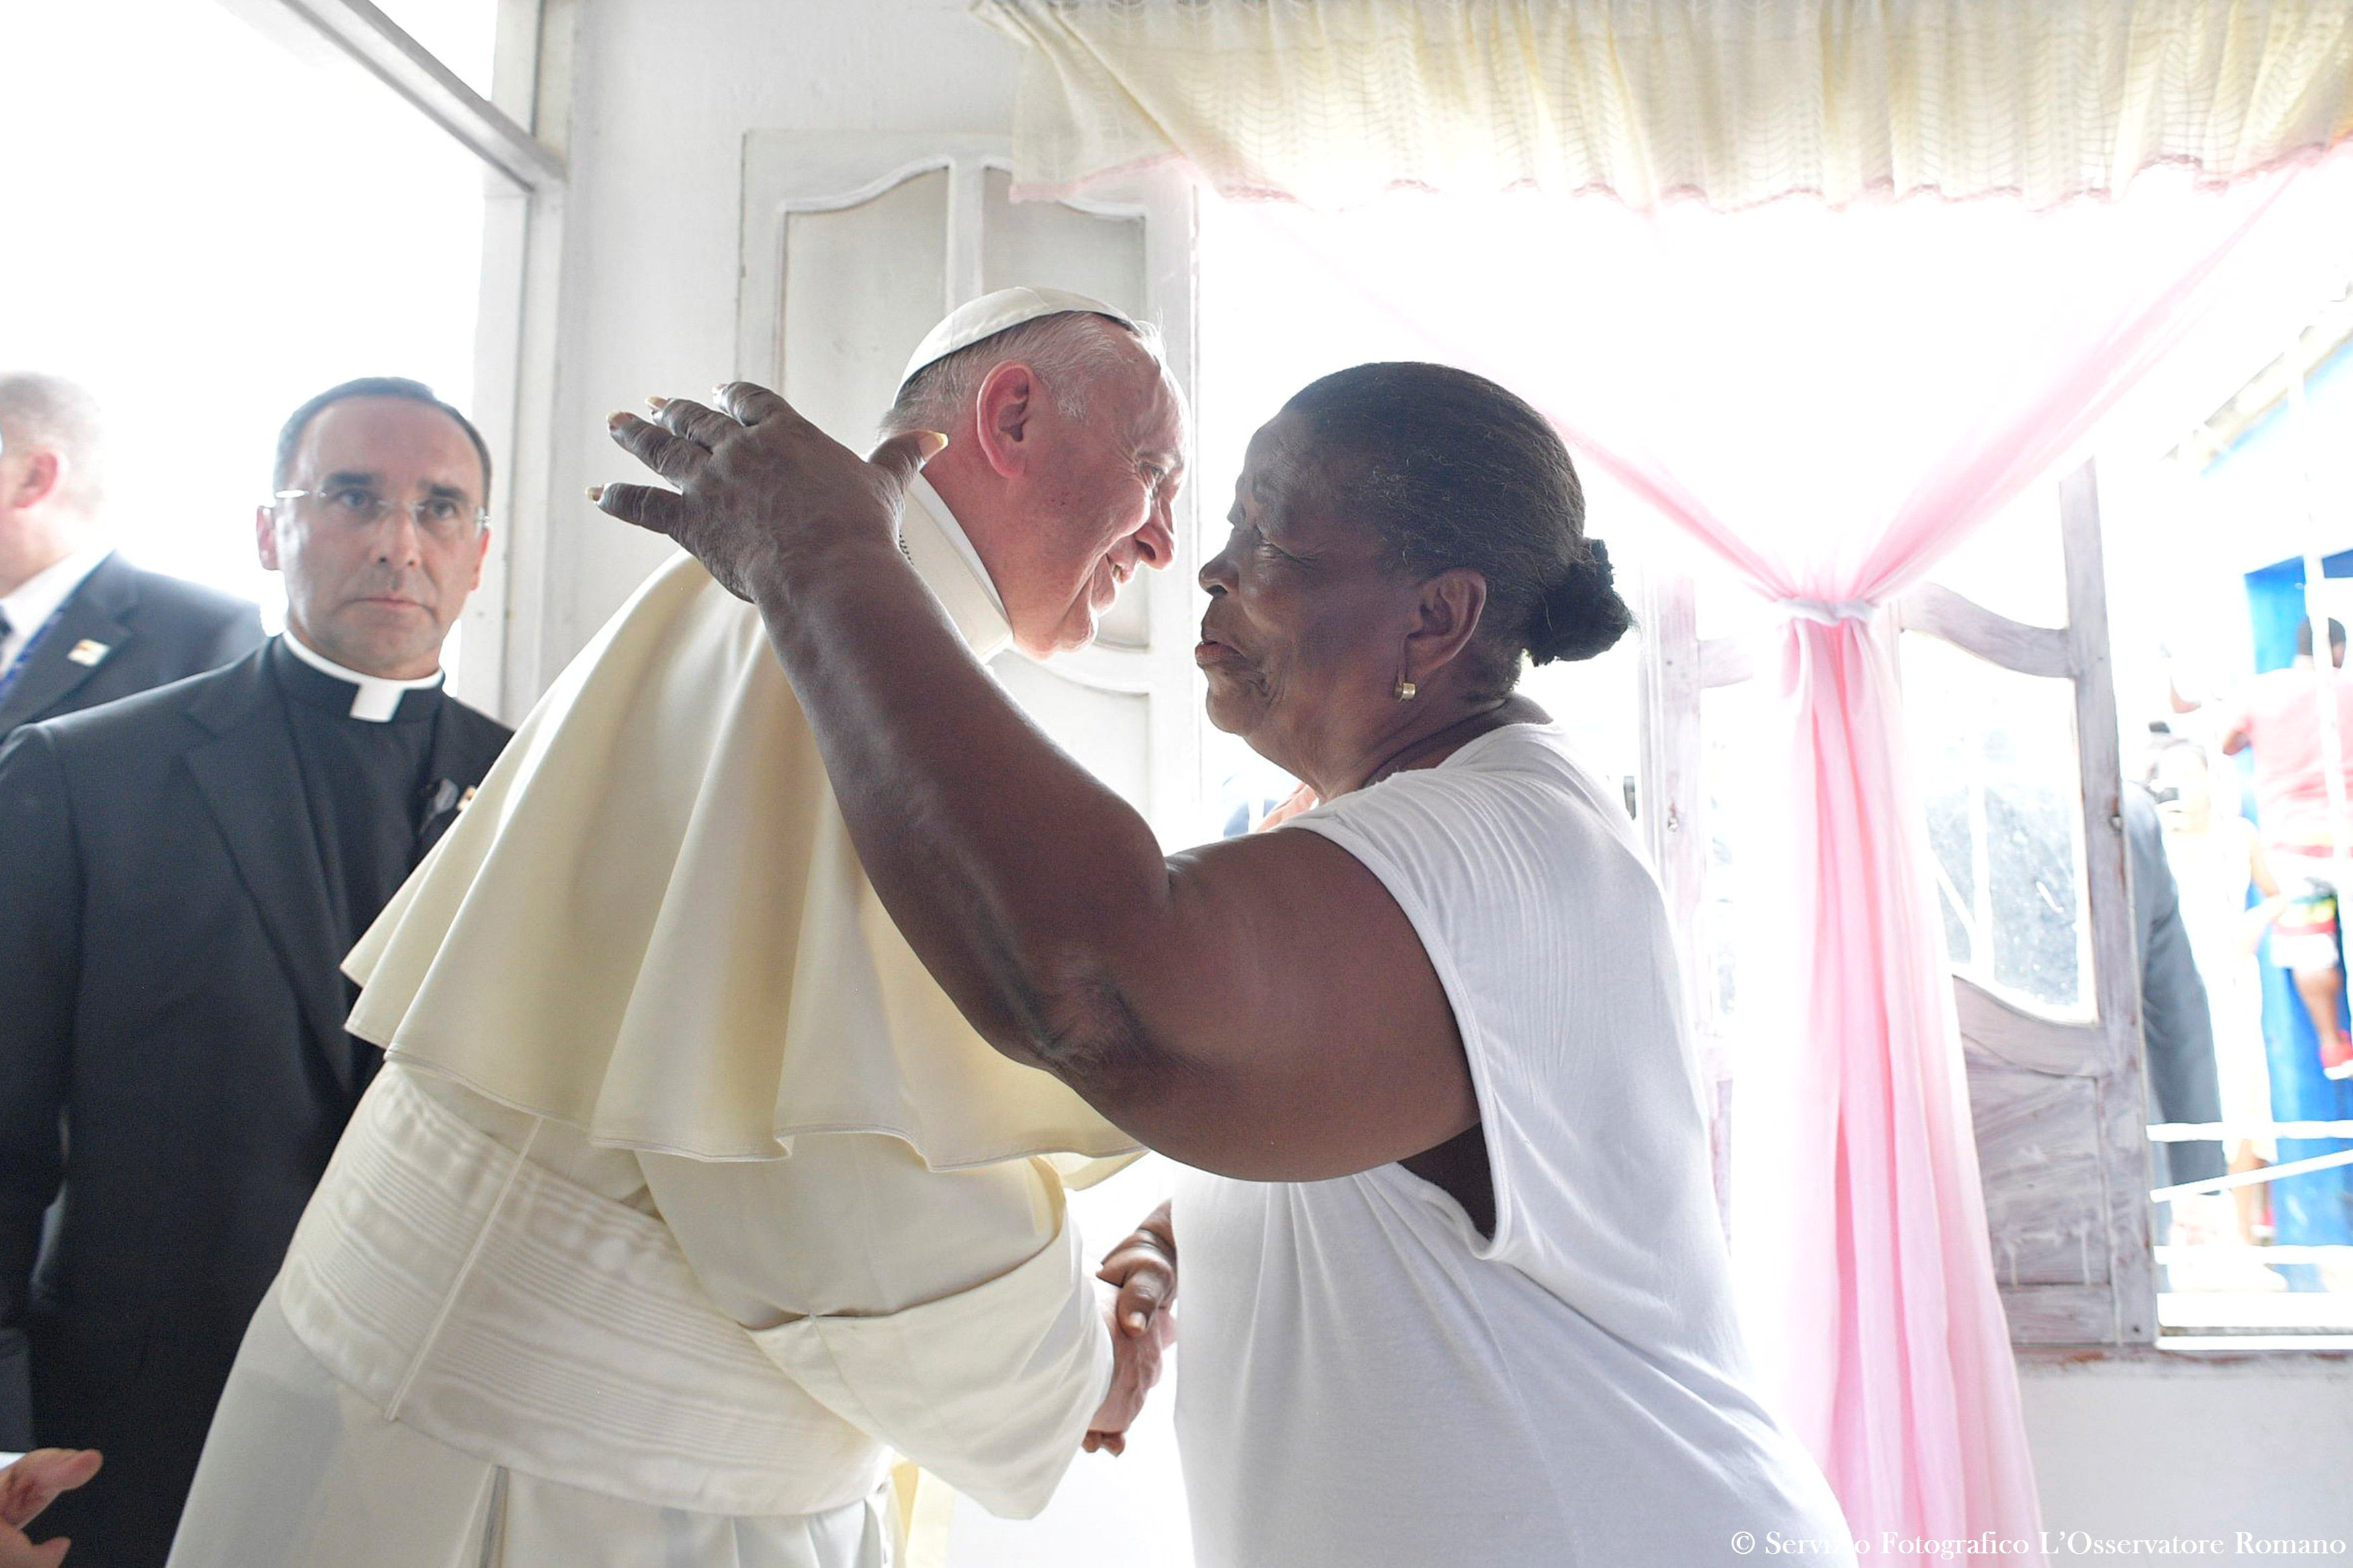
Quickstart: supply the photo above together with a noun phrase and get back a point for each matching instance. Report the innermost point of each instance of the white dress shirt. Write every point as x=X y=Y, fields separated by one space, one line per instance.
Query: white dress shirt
x=36 y=598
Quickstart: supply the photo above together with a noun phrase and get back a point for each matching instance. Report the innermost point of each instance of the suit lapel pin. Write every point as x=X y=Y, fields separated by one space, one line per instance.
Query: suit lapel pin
x=88 y=651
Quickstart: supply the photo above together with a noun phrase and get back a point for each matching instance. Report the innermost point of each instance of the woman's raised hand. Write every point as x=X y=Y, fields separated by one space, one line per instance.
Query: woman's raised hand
x=759 y=489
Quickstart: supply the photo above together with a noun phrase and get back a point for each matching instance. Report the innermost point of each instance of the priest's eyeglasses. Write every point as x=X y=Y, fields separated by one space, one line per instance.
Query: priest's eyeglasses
x=444 y=516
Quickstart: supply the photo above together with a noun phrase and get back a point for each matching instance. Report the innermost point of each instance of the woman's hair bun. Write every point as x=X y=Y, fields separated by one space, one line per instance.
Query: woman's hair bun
x=1581 y=615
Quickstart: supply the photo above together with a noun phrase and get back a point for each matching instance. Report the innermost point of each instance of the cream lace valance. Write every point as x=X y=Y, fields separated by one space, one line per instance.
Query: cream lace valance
x=1331 y=102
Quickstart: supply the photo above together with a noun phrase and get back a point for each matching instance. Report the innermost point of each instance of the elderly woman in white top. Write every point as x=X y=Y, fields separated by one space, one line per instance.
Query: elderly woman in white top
x=1457 y=1293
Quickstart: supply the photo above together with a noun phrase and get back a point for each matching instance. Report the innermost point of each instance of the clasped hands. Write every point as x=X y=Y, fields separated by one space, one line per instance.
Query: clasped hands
x=1142 y=1318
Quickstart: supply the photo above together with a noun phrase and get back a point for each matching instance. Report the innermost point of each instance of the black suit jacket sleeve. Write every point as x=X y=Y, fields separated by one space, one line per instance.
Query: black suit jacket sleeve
x=41 y=939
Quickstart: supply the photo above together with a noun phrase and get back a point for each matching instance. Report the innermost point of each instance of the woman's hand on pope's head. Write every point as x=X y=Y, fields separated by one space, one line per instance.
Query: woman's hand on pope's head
x=29 y=1486
x=759 y=489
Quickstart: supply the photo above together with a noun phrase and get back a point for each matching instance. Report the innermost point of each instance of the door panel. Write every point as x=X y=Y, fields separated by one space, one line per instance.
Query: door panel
x=1092 y=248
x=842 y=313
x=2058 y=1099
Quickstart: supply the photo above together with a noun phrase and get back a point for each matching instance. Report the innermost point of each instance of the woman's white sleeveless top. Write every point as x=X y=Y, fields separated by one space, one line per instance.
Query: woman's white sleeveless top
x=1368 y=1379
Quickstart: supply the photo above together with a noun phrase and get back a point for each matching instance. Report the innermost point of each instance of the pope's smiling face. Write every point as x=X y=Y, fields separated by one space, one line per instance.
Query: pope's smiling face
x=382 y=549
x=1098 y=495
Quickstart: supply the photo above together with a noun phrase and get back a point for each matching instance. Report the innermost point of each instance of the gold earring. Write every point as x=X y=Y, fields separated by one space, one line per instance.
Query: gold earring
x=1406 y=689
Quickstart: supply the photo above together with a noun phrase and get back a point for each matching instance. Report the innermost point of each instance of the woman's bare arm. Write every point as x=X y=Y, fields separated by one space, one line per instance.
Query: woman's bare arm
x=1260 y=1007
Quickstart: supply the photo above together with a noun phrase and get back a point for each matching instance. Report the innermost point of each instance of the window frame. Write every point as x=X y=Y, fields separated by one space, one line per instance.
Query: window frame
x=521 y=133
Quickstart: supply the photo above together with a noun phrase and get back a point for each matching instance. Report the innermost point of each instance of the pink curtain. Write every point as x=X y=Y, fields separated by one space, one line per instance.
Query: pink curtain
x=1828 y=403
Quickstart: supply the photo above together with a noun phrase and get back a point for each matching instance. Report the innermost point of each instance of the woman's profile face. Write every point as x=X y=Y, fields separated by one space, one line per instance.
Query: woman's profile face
x=1304 y=635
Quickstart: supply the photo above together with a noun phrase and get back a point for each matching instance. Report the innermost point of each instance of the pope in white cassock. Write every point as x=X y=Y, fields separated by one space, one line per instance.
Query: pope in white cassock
x=685 y=1198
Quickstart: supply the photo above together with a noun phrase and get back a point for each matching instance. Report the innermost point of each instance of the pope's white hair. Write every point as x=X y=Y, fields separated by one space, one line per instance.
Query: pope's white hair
x=1071 y=352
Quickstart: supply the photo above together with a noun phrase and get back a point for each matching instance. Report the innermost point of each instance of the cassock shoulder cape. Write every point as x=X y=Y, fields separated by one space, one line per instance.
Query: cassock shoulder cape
x=651 y=922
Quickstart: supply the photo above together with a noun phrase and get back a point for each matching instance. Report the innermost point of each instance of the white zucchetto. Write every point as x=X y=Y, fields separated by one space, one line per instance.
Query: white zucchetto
x=990 y=314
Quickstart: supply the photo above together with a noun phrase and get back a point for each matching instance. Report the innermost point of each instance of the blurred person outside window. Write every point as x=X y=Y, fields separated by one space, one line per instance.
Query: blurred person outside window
x=2175 y=1014
x=2280 y=715
x=2215 y=854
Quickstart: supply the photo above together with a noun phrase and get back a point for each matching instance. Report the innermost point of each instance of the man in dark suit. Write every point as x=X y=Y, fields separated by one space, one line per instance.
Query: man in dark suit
x=184 y=872
x=79 y=624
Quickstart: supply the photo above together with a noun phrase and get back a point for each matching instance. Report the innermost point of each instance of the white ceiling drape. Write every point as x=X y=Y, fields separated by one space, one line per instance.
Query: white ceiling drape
x=1331 y=102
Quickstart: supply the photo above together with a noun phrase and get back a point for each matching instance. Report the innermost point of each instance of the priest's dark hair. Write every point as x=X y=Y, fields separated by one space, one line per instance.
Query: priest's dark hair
x=290 y=435
x=1453 y=470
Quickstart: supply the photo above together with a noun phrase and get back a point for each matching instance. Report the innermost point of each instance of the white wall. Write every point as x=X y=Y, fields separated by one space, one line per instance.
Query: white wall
x=2161 y=1446
x=663 y=92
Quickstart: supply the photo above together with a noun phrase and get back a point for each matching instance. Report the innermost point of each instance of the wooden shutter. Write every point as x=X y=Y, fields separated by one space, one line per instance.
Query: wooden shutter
x=2060 y=1104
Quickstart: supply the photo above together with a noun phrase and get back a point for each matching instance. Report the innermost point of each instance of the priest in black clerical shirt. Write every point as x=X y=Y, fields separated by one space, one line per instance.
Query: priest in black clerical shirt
x=381 y=763
x=181 y=874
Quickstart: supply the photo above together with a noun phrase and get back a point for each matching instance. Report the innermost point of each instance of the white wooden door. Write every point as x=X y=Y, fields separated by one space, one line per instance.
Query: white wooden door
x=854 y=244
x=2060 y=1101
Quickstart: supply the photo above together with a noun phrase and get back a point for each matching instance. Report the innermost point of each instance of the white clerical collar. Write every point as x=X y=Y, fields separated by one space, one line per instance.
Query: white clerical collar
x=376 y=699
x=942 y=554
